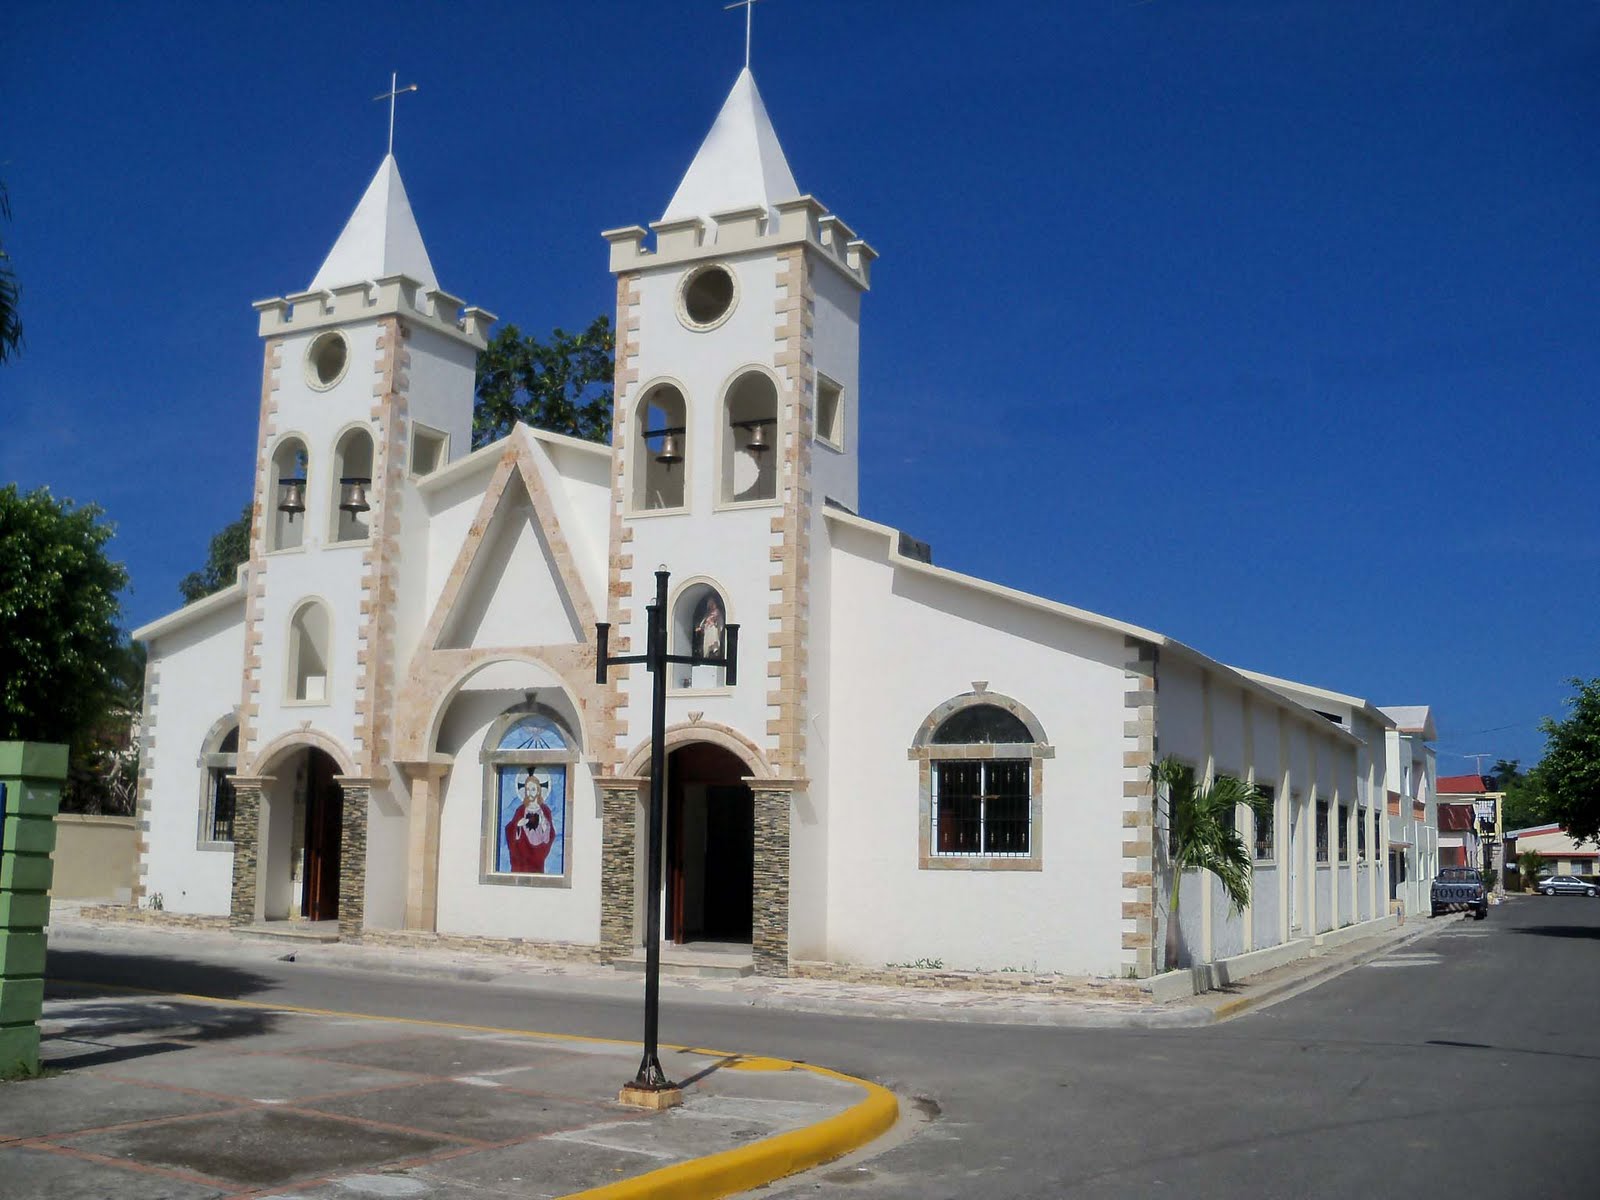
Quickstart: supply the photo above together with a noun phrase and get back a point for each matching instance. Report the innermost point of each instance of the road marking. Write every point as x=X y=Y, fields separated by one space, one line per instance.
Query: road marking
x=1407 y=960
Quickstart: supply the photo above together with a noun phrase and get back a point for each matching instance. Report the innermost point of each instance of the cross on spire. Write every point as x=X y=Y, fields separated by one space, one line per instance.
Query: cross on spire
x=748 y=6
x=393 y=92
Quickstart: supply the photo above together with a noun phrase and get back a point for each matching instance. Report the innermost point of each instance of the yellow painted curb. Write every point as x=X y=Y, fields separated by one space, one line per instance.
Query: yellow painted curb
x=762 y=1162
x=736 y=1170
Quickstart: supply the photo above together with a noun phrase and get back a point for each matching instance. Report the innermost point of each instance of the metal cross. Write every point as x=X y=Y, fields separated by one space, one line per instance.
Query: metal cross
x=748 y=6
x=394 y=78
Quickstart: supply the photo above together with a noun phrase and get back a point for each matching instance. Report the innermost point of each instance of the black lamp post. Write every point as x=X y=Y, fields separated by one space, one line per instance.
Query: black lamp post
x=651 y=1078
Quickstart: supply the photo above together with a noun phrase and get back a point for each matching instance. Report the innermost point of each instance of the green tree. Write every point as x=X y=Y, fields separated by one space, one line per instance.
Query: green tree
x=62 y=657
x=563 y=384
x=10 y=293
x=1529 y=864
x=230 y=546
x=1202 y=835
x=1525 y=804
x=103 y=773
x=1570 y=769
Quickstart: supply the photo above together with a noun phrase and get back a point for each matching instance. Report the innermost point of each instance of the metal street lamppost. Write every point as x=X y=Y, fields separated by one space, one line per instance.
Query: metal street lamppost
x=651 y=1084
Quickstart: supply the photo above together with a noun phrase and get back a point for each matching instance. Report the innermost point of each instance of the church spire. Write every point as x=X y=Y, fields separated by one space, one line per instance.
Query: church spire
x=380 y=239
x=739 y=165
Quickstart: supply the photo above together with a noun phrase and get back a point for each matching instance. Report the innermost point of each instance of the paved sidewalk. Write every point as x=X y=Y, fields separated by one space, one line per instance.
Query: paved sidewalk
x=183 y=1098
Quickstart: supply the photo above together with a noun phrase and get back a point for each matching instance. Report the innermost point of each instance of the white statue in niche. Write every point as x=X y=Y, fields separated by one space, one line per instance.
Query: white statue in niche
x=708 y=627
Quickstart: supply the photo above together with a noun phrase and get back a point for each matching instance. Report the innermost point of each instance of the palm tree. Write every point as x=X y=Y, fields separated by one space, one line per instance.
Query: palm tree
x=1202 y=834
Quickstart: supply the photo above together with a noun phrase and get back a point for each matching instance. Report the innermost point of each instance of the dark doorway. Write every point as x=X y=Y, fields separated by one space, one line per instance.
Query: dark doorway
x=710 y=846
x=319 y=898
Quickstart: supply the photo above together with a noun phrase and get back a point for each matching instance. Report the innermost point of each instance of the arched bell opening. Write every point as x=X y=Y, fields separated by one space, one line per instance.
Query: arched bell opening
x=660 y=465
x=351 y=505
x=750 y=439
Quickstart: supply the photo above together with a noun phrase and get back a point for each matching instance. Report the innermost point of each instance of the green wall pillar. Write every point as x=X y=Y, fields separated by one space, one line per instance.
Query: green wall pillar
x=30 y=775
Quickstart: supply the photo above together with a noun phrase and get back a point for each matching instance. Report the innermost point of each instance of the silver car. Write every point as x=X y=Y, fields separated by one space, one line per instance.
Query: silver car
x=1567 y=885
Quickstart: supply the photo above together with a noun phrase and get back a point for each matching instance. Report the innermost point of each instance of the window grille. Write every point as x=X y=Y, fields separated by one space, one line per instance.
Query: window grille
x=1322 y=831
x=982 y=807
x=219 y=805
x=1361 y=834
x=1344 y=833
x=1264 y=824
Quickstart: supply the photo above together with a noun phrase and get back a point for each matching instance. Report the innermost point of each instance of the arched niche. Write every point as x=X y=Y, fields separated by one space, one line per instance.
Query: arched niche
x=287 y=484
x=699 y=625
x=749 y=439
x=310 y=643
x=351 y=483
x=660 y=419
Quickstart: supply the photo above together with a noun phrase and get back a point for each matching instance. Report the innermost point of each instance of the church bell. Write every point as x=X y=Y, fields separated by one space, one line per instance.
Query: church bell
x=293 y=498
x=671 y=450
x=758 y=443
x=353 y=496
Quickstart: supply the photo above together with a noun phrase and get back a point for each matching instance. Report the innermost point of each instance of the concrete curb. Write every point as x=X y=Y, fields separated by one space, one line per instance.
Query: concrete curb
x=704 y=1178
x=770 y=1159
x=1284 y=988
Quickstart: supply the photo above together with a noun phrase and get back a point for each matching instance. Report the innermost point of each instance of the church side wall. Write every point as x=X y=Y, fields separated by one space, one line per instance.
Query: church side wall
x=197 y=685
x=908 y=643
x=1208 y=719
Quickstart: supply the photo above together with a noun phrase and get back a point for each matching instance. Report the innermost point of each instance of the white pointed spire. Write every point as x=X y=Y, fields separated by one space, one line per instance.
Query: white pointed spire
x=380 y=239
x=739 y=165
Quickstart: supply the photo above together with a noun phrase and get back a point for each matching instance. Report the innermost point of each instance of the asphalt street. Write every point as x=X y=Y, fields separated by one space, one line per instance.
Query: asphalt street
x=1469 y=1057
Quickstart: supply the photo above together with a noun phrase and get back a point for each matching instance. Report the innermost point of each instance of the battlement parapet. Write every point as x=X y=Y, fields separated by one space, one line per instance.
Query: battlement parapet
x=801 y=221
x=393 y=295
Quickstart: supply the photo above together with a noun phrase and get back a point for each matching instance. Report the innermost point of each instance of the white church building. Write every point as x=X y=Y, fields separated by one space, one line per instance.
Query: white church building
x=391 y=721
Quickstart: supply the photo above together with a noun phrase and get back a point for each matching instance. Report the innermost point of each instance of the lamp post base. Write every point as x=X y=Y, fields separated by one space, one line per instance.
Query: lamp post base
x=653 y=1098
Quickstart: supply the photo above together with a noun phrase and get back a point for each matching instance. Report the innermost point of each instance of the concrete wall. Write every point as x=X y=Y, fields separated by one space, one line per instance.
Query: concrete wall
x=96 y=858
x=196 y=673
x=912 y=641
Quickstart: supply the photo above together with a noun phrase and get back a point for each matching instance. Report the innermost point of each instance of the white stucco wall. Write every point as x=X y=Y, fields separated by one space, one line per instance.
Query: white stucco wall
x=466 y=905
x=198 y=683
x=909 y=642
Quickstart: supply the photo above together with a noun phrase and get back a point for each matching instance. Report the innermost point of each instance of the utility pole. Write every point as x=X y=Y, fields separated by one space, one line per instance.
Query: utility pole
x=651 y=1088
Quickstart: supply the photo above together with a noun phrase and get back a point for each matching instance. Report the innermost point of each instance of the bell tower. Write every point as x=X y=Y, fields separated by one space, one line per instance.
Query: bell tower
x=735 y=422
x=367 y=386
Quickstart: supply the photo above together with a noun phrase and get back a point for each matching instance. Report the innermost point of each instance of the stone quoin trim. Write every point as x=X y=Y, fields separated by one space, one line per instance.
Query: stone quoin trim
x=612 y=728
x=147 y=759
x=791 y=547
x=380 y=558
x=1139 y=924
x=255 y=580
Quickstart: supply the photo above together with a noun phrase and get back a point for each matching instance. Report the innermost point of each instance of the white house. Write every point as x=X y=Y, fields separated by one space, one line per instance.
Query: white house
x=392 y=720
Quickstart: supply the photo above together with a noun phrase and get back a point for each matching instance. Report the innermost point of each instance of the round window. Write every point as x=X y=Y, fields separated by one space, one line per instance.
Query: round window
x=707 y=297
x=326 y=360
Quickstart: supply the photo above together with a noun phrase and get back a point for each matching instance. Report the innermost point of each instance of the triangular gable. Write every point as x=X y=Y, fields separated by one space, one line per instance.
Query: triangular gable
x=496 y=583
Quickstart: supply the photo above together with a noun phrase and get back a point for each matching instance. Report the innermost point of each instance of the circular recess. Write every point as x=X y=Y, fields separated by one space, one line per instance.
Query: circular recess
x=707 y=296
x=326 y=360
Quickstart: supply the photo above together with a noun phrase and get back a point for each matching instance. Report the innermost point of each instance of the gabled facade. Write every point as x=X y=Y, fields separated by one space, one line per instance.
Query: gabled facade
x=391 y=725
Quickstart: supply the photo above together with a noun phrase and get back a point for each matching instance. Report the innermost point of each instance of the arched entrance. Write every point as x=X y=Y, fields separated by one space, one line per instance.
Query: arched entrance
x=302 y=820
x=710 y=846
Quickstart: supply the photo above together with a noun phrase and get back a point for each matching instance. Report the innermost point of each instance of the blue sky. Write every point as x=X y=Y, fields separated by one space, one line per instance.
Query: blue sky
x=1266 y=325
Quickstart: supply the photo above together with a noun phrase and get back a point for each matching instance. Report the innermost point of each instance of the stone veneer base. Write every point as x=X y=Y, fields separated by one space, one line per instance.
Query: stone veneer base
x=1006 y=982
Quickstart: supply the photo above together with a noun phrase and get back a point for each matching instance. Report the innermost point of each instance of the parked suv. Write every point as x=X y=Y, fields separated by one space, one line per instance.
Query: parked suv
x=1566 y=885
x=1460 y=889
